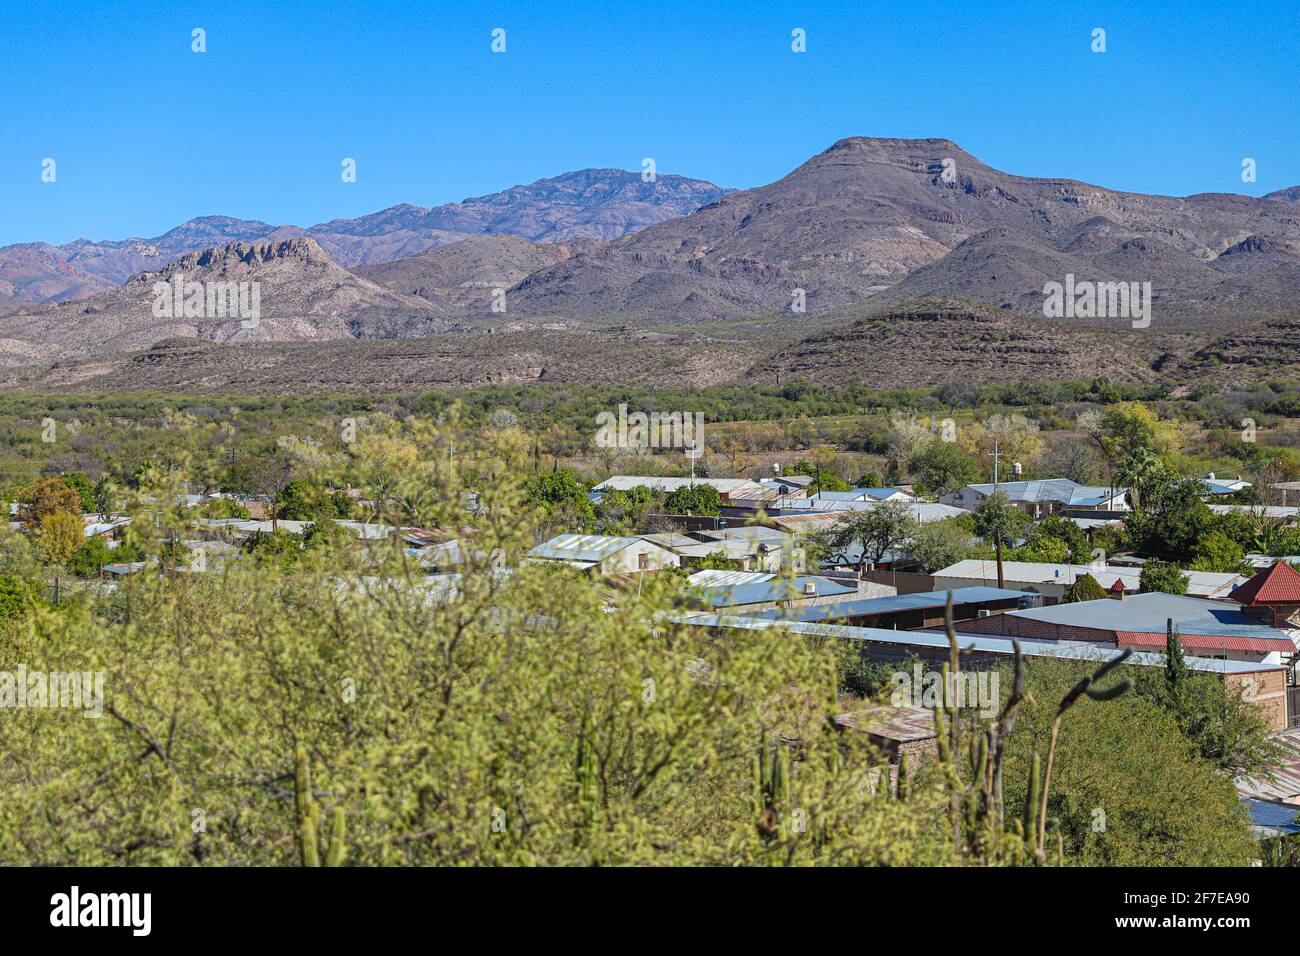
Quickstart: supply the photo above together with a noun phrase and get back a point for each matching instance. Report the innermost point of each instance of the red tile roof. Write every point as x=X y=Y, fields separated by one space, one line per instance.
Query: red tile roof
x=1206 y=642
x=1279 y=584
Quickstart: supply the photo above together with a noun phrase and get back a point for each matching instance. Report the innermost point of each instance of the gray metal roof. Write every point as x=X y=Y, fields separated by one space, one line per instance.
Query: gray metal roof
x=1066 y=650
x=1061 y=490
x=893 y=604
x=1149 y=612
x=773 y=589
x=591 y=548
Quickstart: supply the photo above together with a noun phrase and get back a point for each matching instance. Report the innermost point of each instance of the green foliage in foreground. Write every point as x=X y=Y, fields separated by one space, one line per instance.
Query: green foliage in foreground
x=519 y=723
x=1129 y=788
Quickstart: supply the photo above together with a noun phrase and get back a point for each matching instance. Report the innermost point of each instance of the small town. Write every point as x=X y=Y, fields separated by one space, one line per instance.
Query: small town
x=525 y=458
x=926 y=601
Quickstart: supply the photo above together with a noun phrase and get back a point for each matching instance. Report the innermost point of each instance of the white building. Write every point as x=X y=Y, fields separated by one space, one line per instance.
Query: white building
x=605 y=554
x=1053 y=580
x=1042 y=498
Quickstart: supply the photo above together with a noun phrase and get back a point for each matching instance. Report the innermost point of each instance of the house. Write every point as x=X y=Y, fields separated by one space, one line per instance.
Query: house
x=864 y=494
x=433 y=548
x=1216 y=629
x=1217 y=487
x=922 y=511
x=793 y=485
x=749 y=554
x=604 y=554
x=104 y=526
x=907 y=611
x=727 y=487
x=1042 y=498
x=741 y=591
x=1053 y=580
x=1268 y=560
x=753 y=548
x=1259 y=682
x=1285 y=514
x=1282 y=785
x=1272 y=595
x=1269 y=819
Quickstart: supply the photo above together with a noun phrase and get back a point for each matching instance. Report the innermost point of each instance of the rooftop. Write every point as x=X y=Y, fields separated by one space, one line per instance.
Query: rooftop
x=725 y=486
x=770 y=590
x=1141 y=620
x=893 y=604
x=1201 y=583
x=1060 y=490
x=590 y=548
x=1279 y=584
x=1067 y=650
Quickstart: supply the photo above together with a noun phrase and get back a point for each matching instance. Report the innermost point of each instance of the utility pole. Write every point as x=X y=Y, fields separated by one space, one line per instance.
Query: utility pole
x=996 y=455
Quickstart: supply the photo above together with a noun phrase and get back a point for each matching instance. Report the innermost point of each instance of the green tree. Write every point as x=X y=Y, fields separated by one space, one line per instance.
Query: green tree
x=224 y=508
x=277 y=547
x=302 y=500
x=621 y=512
x=18 y=597
x=1171 y=521
x=1217 y=552
x=79 y=483
x=693 y=500
x=60 y=534
x=1000 y=523
x=942 y=466
x=1162 y=576
x=1140 y=470
x=1084 y=588
x=823 y=480
x=89 y=559
x=873 y=532
x=563 y=498
x=1226 y=728
x=1121 y=782
x=937 y=545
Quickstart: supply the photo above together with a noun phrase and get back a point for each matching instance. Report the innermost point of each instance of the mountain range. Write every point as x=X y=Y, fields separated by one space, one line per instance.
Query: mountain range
x=910 y=258
x=590 y=204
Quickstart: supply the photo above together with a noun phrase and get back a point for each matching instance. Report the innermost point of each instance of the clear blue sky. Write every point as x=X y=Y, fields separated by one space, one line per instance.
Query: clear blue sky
x=147 y=134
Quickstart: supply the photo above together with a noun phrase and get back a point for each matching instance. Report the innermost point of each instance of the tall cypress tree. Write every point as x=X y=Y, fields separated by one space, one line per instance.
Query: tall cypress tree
x=1175 y=664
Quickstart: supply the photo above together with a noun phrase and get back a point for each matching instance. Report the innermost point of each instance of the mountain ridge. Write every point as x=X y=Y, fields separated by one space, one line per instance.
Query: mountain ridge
x=587 y=203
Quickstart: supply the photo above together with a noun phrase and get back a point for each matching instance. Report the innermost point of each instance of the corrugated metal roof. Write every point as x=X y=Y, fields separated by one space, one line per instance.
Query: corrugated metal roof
x=862 y=494
x=720 y=578
x=1145 y=612
x=1199 y=583
x=1067 y=650
x=775 y=589
x=892 y=604
x=1059 y=490
x=1207 y=642
x=1279 y=584
x=1284 y=783
x=892 y=723
x=725 y=486
x=592 y=548
x=1277 y=817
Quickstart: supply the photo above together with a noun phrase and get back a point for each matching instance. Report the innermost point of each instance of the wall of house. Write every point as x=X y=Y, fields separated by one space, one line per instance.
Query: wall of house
x=1266 y=690
x=628 y=559
x=1052 y=593
x=905 y=582
x=1012 y=625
